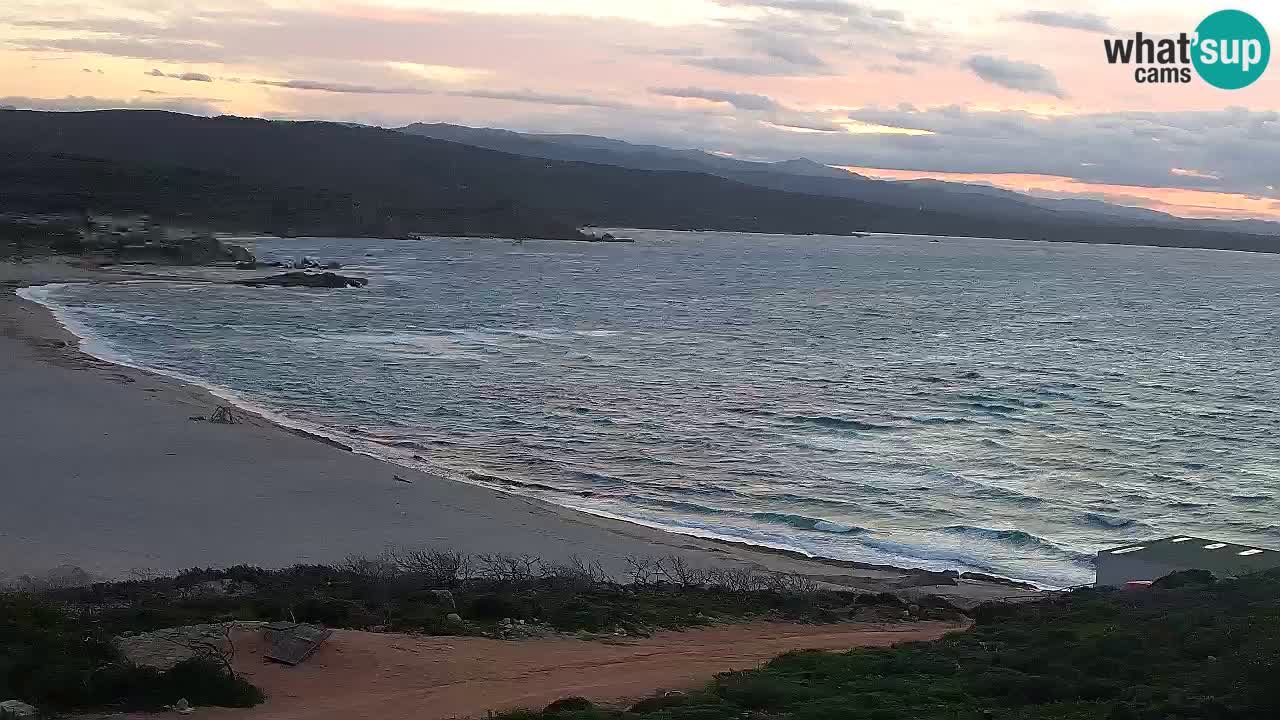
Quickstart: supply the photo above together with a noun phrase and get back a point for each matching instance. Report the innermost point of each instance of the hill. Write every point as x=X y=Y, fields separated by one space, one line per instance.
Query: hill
x=806 y=176
x=329 y=175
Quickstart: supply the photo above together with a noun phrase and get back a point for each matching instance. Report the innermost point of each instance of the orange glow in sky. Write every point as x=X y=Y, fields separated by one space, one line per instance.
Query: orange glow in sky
x=1175 y=201
x=764 y=79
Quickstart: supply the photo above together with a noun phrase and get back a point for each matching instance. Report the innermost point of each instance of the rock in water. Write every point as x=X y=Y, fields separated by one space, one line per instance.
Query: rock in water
x=306 y=279
x=238 y=254
x=16 y=710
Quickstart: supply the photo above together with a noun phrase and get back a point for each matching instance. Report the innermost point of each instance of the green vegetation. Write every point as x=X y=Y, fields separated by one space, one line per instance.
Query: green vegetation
x=1188 y=648
x=23 y=239
x=417 y=591
x=57 y=649
x=56 y=657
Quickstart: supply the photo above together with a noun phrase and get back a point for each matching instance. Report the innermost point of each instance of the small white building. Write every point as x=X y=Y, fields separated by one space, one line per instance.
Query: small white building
x=1153 y=559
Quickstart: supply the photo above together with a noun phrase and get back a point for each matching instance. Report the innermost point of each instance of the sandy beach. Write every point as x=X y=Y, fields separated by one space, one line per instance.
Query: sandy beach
x=104 y=470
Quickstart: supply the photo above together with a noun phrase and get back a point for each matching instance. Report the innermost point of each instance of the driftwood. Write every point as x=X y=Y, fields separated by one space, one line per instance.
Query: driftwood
x=223 y=416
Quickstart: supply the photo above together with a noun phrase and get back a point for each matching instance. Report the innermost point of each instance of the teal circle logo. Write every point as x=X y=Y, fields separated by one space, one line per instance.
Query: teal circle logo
x=1232 y=49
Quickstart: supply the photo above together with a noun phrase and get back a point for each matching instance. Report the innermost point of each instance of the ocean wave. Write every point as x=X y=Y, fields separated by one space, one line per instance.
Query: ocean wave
x=76 y=322
x=937 y=420
x=1016 y=538
x=478 y=476
x=1109 y=522
x=433 y=338
x=828 y=421
x=993 y=408
x=816 y=380
x=996 y=492
x=797 y=499
x=1012 y=403
x=804 y=522
x=793 y=520
x=1250 y=498
x=1045 y=571
x=596 y=478
x=400 y=344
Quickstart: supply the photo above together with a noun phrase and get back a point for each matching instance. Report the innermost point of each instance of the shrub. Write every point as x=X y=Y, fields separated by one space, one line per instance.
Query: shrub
x=496 y=606
x=760 y=691
x=672 y=700
x=52 y=658
x=1184 y=578
x=568 y=704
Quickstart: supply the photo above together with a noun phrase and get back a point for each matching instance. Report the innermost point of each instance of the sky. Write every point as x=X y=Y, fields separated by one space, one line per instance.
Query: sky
x=1013 y=94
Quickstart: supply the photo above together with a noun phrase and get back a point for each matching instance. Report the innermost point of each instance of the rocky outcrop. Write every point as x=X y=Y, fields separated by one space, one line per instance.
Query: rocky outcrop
x=306 y=279
x=926 y=578
x=306 y=263
x=163 y=649
x=606 y=237
x=17 y=710
x=237 y=254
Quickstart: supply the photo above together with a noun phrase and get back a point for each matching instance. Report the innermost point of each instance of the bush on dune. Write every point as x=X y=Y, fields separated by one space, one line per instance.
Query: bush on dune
x=1189 y=648
x=403 y=591
x=54 y=658
x=57 y=649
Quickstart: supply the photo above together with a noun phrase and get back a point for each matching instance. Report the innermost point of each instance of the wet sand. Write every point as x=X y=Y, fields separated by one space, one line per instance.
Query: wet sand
x=103 y=469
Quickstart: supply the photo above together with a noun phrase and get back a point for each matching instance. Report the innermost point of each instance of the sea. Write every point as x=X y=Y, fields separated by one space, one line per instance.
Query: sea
x=984 y=405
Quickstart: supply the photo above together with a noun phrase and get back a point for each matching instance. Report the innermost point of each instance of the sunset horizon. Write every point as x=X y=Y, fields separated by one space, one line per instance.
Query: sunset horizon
x=992 y=92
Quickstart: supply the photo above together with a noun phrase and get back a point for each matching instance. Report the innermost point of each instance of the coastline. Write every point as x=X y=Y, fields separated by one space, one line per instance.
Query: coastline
x=262 y=493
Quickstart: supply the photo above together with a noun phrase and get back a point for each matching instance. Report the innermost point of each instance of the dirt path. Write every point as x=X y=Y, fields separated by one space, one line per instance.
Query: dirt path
x=393 y=677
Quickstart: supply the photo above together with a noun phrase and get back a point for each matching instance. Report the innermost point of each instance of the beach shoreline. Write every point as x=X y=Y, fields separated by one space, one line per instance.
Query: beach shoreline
x=261 y=493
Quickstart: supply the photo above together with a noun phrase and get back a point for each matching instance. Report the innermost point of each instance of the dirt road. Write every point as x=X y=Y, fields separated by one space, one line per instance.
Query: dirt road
x=395 y=677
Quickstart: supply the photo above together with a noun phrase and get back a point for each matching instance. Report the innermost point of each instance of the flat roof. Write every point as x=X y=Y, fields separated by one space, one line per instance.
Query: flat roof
x=1186 y=551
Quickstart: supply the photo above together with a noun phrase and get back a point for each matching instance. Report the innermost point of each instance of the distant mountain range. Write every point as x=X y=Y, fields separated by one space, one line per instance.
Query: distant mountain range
x=806 y=176
x=331 y=178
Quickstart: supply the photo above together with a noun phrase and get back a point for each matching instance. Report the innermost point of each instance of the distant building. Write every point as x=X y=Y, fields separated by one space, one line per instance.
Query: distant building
x=1154 y=559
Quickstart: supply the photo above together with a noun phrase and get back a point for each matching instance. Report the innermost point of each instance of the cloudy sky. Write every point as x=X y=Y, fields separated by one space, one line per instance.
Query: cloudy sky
x=1014 y=93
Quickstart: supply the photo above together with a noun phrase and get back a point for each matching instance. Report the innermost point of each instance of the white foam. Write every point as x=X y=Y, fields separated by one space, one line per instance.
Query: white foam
x=90 y=342
x=835 y=527
x=876 y=552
